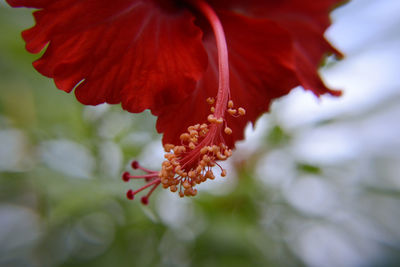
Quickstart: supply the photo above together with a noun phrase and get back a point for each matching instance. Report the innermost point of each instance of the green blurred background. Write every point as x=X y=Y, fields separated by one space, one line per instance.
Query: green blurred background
x=316 y=184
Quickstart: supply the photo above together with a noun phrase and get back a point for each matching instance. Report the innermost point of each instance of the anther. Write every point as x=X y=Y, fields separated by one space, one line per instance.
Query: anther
x=178 y=168
x=230 y=104
x=192 y=146
x=228 y=153
x=215 y=149
x=211 y=118
x=232 y=111
x=241 y=111
x=209 y=175
x=192 y=174
x=206 y=159
x=220 y=156
x=168 y=147
x=199 y=169
x=211 y=100
x=223 y=173
x=194 y=192
x=228 y=130
x=186 y=184
x=204 y=150
x=184 y=137
x=193 y=133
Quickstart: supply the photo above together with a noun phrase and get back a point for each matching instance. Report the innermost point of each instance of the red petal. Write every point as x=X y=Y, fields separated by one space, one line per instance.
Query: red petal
x=132 y=51
x=306 y=20
x=261 y=69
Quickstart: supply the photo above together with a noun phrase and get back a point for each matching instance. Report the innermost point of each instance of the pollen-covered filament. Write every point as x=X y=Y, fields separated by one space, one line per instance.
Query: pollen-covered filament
x=192 y=162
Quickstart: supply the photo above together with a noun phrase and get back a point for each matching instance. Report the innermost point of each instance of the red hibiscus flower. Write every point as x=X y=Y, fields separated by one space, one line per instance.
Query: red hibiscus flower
x=206 y=68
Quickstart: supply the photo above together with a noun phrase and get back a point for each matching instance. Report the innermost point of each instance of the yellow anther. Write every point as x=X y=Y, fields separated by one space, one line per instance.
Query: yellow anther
x=241 y=111
x=230 y=104
x=168 y=147
x=219 y=120
x=210 y=100
x=228 y=130
x=163 y=173
x=173 y=188
x=206 y=159
x=165 y=186
x=220 y=156
x=179 y=149
x=192 y=174
x=199 y=169
x=169 y=168
x=203 y=132
x=175 y=162
x=187 y=192
x=193 y=133
x=211 y=118
x=181 y=194
x=209 y=175
x=193 y=127
x=192 y=146
x=232 y=111
x=212 y=109
x=166 y=163
x=204 y=150
x=178 y=168
x=185 y=137
x=194 y=192
x=223 y=173
x=186 y=184
x=169 y=156
x=228 y=153
x=215 y=149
